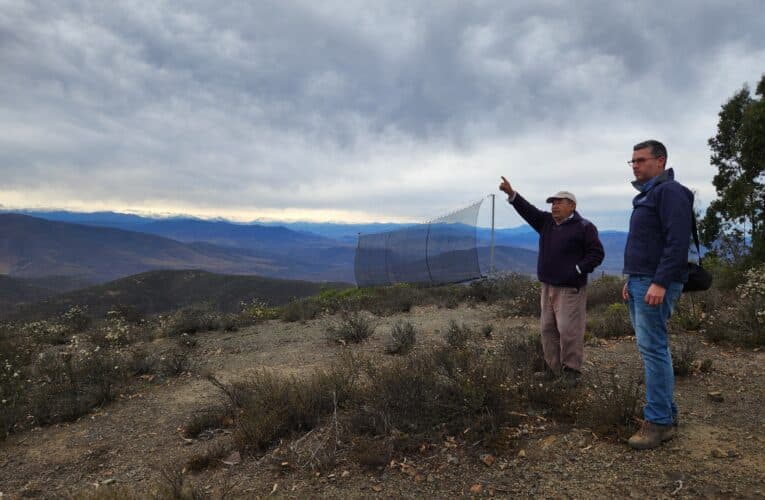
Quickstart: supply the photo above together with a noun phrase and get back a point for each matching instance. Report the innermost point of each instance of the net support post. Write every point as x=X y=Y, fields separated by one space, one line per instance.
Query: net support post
x=491 y=253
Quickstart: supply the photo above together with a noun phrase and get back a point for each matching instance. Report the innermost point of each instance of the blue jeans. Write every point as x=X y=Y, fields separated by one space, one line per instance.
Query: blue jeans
x=650 y=325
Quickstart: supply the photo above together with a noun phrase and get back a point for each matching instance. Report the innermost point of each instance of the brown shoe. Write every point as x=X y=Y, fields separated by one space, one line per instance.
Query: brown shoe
x=651 y=435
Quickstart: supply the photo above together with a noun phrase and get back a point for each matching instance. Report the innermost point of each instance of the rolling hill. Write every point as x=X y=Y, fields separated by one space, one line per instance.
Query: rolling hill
x=160 y=291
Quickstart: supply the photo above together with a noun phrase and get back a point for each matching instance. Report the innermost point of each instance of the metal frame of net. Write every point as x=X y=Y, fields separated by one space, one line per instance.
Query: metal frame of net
x=441 y=251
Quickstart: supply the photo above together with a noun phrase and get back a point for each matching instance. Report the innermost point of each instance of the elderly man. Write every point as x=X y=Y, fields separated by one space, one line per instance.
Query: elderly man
x=656 y=261
x=569 y=249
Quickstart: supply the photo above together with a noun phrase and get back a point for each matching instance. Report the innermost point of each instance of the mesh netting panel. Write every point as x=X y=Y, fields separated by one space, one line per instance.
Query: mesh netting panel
x=442 y=251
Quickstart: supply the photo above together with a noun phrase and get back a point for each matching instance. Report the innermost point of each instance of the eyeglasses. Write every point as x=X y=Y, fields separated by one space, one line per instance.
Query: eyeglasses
x=640 y=161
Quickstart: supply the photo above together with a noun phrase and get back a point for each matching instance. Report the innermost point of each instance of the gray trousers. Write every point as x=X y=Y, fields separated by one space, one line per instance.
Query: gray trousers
x=562 y=324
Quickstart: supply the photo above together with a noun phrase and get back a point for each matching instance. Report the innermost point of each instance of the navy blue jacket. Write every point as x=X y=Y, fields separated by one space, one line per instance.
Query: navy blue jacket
x=660 y=231
x=562 y=247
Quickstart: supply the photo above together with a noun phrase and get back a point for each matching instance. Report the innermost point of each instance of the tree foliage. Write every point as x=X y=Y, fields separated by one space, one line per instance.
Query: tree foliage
x=736 y=219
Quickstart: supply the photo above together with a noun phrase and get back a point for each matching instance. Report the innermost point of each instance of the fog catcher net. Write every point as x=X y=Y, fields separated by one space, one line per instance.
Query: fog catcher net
x=441 y=251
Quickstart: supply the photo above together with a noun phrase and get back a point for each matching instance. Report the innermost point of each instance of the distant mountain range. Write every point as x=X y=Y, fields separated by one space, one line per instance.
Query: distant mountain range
x=92 y=248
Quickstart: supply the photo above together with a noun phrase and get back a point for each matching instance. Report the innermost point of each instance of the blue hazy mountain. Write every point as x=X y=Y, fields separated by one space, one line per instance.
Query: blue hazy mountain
x=295 y=250
x=32 y=247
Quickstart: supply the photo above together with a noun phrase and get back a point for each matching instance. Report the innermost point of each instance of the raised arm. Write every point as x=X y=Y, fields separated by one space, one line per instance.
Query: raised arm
x=531 y=214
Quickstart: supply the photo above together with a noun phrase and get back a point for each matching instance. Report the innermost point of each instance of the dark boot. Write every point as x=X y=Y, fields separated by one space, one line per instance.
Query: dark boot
x=571 y=377
x=547 y=374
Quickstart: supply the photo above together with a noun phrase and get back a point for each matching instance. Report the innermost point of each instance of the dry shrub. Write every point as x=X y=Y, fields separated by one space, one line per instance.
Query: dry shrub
x=117 y=330
x=706 y=365
x=394 y=300
x=353 y=328
x=12 y=396
x=210 y=457
x=611 y=404
x=684 y=355
x=402 y=338
x=206 y=419
x=526 y=300
x=553 y=397
x=270 y=406
x=71 y=383
x=141 y=362
x=604 y=291
x=448 y=302
x=687 y=315
x=108 y=492
x=740 y=317
x=613 y=321
x=196 y=319
x=457 y=336
x=508 y=287
x=447 y=388
x=174 y=486
x=369 y=452
x=487 y=330
x=175 y=361
x=523 y=350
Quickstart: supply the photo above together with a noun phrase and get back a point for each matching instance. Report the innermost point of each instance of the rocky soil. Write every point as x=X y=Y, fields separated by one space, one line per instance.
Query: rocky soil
x=128 y=443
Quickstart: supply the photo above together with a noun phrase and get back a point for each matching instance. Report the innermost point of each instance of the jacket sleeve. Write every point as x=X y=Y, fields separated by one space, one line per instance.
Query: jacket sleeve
x=593 y=249
x=675 y=210
x=531 y=214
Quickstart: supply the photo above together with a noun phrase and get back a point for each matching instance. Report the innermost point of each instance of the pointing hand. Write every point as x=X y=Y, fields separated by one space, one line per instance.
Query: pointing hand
x=506 y=187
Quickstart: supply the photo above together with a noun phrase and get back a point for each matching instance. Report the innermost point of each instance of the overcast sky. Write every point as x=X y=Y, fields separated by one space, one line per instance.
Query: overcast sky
x=359 y=111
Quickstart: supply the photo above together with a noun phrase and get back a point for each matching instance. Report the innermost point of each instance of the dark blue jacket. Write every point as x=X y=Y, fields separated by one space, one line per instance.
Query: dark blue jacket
x=563 y=246
x=660 y=231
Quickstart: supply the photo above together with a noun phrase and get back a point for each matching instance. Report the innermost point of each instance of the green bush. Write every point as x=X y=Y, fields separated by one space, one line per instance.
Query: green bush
x=612 y=321
x=741 y=320
x=301 y=310
x=505 y=288
x=604 y=291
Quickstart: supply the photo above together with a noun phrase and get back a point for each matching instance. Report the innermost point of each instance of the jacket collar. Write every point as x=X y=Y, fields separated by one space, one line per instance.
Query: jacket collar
x=571 y=218
x=667 y=175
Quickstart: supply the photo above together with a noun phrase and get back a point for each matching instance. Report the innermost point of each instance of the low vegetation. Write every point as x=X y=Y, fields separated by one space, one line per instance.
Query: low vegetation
x=462 y=387
x=353 y=328
x=610 y=321
x=59 y=368
x=402 y=338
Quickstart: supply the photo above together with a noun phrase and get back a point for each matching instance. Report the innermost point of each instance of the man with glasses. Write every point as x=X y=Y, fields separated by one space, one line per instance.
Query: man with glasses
x=569 y=249
x=656 y=262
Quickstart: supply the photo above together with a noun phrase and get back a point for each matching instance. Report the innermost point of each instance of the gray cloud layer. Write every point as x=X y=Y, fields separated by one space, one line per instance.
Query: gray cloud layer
x=358 y=110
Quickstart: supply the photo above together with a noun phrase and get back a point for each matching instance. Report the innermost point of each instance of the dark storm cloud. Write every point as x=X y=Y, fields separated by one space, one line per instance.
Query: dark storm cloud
x=313 y=106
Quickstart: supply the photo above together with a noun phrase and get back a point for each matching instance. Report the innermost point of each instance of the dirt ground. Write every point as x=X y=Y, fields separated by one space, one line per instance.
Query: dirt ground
x=718 y=452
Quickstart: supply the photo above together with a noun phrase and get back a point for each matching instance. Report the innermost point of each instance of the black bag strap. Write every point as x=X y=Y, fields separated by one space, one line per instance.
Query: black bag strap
x=695 y=233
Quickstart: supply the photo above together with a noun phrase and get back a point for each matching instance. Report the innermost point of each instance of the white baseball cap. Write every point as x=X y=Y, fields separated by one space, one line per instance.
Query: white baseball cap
x=562 y=195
